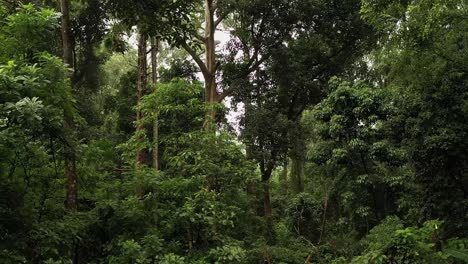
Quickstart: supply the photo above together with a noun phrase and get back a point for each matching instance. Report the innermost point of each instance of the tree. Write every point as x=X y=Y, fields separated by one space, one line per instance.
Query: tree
x=209 y=67
x=421 y=61
x=35 y=94
x=70 y=156
x=350 y=128
x=295 y=75
x=141 y=90
x=155 y=46
x=158 y=20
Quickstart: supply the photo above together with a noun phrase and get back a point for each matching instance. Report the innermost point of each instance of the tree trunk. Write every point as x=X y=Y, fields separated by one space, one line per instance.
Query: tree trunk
x=297 y=172
x=209 y=66
x=69 y=150
x=284 y=179
x=267 y=209
x=324 y=216
x=70 y=171
x=67 y=38
x=211 y=94
x=154 y=75
x=266 y=198
x=70 y=144
x=141 y=155
x=210 y=55
x=297 y=154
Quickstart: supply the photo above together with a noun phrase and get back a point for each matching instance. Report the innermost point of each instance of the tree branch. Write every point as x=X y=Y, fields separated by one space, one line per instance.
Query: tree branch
x=224 y=94
x=220 y=19
x=197 y=59
x=258 y=63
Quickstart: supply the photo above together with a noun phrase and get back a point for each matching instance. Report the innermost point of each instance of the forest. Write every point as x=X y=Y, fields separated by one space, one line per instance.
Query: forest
x=234 y=131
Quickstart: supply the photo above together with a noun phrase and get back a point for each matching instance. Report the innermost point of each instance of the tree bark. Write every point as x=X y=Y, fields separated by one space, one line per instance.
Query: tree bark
x=209 y=67
x=154 y=75
x=210 y=55
x=284 y=178
x=324 y=216
x=69 y=150
x=297 y=154
x=266 y=198
x=67 y=38
x=267 y=209
x=211 y=94
x=297 y=172
x=70 y=144
x=141 y=156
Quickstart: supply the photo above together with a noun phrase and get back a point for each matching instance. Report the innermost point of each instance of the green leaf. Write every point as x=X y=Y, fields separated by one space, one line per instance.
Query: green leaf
x=457 y=253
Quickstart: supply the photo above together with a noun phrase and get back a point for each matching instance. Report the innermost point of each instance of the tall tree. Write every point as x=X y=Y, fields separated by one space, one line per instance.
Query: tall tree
x=152 y=18
x=141 y=90
x=209 y=66
x=155 y=45
x=323 y=39
x=70 y=152
x=423 y=62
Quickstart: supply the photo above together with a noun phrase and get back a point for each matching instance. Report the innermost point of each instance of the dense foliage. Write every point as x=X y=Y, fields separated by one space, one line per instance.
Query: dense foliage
x=318 y=131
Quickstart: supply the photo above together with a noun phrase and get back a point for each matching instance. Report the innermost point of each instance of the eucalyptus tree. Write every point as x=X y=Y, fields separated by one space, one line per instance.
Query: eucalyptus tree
x=213 y=16
x=211 y=13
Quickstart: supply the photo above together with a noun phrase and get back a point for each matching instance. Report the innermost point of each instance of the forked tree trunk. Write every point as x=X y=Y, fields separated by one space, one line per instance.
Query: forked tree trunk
x=69 y=150
x=208 y=67
x=141 y=156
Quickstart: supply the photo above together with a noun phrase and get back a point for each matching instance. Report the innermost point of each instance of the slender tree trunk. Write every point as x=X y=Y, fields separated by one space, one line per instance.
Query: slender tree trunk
x=70 y=144
x=267 y=209
x=284 y=178
x=70 y=171
x=324 y=216
x=141 y=155
x=211 y=94
x=70 y=155
x=67 y=38
x=154 y=75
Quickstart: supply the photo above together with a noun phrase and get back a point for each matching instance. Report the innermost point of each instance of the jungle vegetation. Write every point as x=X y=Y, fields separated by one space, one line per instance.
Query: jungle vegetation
x=234 y=131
